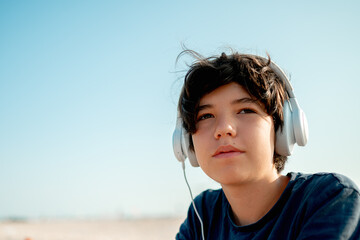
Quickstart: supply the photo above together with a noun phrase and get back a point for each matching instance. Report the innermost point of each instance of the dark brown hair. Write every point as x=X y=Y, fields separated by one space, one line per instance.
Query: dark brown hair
x=251 y=72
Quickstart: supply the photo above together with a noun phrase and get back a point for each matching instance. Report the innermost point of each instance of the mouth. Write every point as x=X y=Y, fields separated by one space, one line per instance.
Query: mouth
x=227 y=151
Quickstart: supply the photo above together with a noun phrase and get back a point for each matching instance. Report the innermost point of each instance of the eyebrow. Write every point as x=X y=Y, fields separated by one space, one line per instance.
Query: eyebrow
x=236 y=101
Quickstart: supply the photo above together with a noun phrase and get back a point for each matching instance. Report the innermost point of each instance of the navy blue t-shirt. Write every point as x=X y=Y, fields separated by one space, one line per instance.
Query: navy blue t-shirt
x=312 y=206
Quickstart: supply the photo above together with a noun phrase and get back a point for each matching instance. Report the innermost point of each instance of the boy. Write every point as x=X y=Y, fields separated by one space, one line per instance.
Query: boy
x=238 y=120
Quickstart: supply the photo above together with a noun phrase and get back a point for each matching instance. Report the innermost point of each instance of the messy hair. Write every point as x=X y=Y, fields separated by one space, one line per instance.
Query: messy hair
x=251 y=72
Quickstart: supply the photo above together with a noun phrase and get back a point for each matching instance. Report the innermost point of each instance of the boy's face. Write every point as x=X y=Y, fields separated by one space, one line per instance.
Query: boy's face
x=234 y=141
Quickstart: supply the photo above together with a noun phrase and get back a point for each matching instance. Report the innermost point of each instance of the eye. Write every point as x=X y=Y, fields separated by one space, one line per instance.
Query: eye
x=246 y=110
x=204 y=116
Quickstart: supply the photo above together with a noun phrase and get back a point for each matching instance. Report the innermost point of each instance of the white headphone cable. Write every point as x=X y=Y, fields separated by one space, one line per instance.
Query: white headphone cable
x=193 y=203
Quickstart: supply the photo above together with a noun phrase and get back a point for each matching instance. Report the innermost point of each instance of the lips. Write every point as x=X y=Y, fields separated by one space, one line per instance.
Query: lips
x=227 y=151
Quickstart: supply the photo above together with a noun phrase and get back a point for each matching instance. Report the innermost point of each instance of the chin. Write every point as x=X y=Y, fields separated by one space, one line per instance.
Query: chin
x=230 y=178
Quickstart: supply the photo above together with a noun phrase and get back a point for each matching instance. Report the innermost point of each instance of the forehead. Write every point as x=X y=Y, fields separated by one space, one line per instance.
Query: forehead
x=229 y=91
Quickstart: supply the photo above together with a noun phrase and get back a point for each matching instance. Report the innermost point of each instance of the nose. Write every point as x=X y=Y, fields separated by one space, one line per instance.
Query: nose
x=225 y=127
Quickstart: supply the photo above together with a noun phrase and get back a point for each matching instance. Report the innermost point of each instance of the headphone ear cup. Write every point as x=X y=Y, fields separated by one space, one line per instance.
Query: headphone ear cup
x=300 y=123
x=181 y=144
x=285 y=138
x=189 y=153
x=177 y=141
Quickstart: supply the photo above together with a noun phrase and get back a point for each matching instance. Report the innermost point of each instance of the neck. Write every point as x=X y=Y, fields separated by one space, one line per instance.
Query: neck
x=251 y=201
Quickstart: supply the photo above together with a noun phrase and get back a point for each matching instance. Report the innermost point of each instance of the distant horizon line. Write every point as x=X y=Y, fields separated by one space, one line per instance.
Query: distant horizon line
x=124 y=217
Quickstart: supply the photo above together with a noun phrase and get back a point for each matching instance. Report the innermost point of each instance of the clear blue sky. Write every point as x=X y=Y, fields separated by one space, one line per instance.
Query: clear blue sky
x=88 y=93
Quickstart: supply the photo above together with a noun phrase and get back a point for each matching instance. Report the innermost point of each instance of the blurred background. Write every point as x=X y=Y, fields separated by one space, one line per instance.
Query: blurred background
x=88 y=95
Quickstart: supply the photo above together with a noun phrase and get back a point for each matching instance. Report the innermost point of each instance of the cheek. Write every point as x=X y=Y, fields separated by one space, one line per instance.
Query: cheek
x=196 y=143
x=200 y=147
x=269 y=142
x=262 y=139
x=271 y=135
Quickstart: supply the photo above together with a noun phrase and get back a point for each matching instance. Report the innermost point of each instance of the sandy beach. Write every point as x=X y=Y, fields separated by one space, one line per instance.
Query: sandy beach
x=149 y=229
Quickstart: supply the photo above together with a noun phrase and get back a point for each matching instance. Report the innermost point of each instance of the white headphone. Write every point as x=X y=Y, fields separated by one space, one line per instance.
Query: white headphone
x=294 y=130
